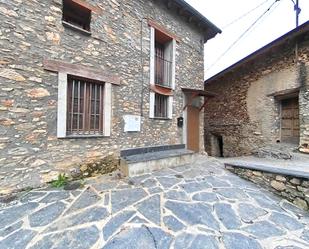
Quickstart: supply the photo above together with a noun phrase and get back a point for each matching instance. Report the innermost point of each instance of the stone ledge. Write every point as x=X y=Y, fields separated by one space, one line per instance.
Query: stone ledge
x=272 y=169
x=292 y=188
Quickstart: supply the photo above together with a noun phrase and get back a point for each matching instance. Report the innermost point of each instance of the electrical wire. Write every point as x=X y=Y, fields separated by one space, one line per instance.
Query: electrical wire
x=241 y=36
x=244 y=15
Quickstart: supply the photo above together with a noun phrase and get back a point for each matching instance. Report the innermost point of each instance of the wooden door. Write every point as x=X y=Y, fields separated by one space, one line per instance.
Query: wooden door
x=290 y=120
x=193 y=128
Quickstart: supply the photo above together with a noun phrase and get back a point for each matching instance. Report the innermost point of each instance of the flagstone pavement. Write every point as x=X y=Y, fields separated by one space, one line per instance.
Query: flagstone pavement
x=192 y=206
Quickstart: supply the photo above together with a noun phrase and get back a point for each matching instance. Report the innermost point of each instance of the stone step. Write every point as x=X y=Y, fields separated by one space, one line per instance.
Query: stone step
x=146 y=160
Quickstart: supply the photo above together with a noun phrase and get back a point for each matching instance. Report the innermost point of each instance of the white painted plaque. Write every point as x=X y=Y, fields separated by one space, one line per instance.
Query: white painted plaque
x=132 y=123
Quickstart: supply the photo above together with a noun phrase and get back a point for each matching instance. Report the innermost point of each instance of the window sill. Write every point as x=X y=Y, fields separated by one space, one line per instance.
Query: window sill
x=158 y=118
x=167 y=87
x=76 y=28
x=84 y=136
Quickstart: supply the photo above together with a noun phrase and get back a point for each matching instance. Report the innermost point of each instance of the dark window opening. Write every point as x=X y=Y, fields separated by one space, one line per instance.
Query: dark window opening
x=163 y=59
x=220 y=144
x=161 y=106
x=76 y=15
x=84 y=107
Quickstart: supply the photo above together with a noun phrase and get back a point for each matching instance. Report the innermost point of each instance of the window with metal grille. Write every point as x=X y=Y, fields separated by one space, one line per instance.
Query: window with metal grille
x=76 y=15
x=84 y=107
x=161 y=106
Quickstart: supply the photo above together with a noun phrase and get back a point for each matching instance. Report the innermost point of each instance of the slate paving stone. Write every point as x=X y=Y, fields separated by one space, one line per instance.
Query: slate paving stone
x=7 y=230
x=86 y=199
x=83 y=238
x=124 y=198
x=140 y=238
x=163 y=172
x=32 y=196
x=115 y=223
x=55 y=196
x=191 y=241
x=151 y=209
x=173 y=224
x=14 y=213
x=46 y=215
x=86 y=216
x=232 y=193
x=176 y=195
x=162 y=240
x=239 y=241
x=227 y=216
x=288 y=247
x=195 y=186
x=216 y=182
x=294 y=209
x=168 y=182
x=18 y=240
x=193 y=214
x=205 y=197
x=286 y=221
x=305 y=235
x=138 y=220
x=181 y=168
x=248 y=212
x=149 y=183
x=106 y=199
x=263 y=229
x=137 y=180
x=264 y=202
x=155 y=190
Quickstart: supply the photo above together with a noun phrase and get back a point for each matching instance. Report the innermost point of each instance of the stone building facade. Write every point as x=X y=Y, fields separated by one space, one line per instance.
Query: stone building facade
x=45 y=47
x=261 y=100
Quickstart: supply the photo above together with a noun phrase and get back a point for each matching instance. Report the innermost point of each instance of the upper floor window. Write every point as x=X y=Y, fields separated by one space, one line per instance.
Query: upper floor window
x=163 y=59
x=76 y=15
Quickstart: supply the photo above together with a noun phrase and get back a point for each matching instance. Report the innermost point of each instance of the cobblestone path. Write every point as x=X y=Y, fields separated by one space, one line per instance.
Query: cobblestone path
x=198 y=206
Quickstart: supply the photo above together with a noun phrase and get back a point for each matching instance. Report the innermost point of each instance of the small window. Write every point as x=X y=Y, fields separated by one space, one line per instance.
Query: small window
x=76 y=15
x=161 y=106
x=84 y=107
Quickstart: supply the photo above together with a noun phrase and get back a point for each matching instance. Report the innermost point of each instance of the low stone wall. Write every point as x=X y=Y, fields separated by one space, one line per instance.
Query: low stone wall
x=291 y=188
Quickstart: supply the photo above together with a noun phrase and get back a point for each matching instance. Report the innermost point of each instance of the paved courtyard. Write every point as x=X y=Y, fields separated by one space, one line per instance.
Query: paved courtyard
x=198 y=206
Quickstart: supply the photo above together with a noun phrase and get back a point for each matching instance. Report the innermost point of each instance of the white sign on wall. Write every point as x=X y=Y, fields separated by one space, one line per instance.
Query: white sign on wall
x=132 y=123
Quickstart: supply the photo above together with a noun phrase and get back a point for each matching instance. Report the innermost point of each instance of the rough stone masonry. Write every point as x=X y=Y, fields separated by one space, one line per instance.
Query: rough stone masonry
x=246 y=113
x=119 y=45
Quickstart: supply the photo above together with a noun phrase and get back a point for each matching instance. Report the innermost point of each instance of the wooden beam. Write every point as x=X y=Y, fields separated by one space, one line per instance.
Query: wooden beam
x=80 y=70
x=162 y=30
x=86 y=5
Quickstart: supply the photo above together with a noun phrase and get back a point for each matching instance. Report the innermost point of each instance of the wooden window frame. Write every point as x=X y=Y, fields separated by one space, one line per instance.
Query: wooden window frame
x=161 y=35
x=161 y=106
x=77 y=16
x=89 y=109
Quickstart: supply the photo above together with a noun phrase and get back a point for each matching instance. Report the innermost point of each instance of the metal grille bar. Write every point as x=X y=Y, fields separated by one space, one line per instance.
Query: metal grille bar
x=85 y=107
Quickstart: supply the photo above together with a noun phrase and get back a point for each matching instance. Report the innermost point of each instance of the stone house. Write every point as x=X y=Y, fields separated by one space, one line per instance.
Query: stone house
x=262 y=100
x=81 y=80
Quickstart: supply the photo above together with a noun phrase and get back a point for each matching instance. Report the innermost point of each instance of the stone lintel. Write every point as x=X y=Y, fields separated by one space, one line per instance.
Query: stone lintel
x=81 y=71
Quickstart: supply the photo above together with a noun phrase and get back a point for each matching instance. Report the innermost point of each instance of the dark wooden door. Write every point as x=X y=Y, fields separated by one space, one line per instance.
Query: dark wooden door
x=193 y=134
x=290 y=120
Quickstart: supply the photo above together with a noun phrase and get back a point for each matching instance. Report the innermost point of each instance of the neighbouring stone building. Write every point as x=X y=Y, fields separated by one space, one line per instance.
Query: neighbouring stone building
x=81 y=80
x=261 y=100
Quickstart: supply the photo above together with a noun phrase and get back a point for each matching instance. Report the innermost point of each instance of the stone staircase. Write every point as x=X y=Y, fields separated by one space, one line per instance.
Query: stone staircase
x=139 y=161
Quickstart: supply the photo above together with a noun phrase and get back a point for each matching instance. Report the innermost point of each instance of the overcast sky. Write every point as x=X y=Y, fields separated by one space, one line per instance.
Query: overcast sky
x=278 y=21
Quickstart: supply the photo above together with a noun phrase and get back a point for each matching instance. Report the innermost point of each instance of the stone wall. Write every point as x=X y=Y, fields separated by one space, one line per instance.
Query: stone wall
x=32 y=31
x=291 y=188
x=245 y=112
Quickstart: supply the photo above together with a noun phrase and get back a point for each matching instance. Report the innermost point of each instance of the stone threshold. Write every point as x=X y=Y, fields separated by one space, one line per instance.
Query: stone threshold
x=269 y=169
